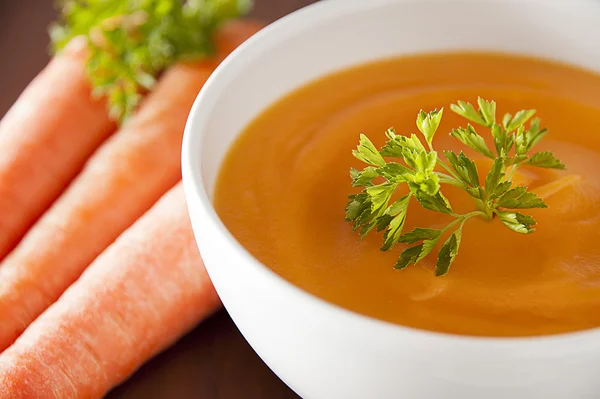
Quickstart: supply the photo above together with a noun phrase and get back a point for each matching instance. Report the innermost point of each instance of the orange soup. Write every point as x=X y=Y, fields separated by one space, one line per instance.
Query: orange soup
x=282 y=192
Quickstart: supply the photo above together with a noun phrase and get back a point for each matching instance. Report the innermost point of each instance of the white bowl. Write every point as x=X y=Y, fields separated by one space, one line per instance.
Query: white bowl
x=318 y=349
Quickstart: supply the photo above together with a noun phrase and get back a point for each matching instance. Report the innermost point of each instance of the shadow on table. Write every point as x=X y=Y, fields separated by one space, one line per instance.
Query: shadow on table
x=212 y=362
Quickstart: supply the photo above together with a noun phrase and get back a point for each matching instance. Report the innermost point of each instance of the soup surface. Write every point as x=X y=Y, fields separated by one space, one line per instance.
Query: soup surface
x=283 y=189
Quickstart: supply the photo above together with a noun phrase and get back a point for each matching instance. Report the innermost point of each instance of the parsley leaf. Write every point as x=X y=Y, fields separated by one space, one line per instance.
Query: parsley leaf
x=502 y=140
x=495 y=176
x=396 y=144
x=512 y=123
x=467 y=111
x=419 y=234
x=464 y=167
x=517 y=222
x=367 y=152
x=534 y=134
x=487 y=109
x=436 y=203
x=448 y=253
x=363 y=178
x=546 y=160
x=495 y=184
x=413 y=255
x=428 y=123
x=397 y=213
x=519 y=198
x=471 y=139
x=380 y=196
x=409 y=257
x=358 y=209
x=394 y=172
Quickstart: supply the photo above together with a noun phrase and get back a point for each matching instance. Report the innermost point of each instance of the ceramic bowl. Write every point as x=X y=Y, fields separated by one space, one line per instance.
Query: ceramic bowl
x=320 y=350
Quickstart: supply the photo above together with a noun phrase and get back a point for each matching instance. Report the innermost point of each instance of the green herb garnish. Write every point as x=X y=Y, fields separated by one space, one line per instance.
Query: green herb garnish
x=495 y=197
x=132 y=41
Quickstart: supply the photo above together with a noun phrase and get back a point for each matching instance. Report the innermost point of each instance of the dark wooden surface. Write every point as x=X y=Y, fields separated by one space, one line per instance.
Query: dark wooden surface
x=212 y=362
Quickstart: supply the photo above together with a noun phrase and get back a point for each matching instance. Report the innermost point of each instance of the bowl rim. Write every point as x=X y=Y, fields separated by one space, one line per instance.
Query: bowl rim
x=196 y=190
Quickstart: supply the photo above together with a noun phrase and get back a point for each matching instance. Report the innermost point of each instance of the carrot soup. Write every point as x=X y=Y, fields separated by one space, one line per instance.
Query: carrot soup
x=283 y=189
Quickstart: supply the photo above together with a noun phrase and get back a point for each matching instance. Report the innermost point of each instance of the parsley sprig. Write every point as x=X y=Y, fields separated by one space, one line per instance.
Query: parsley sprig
x=132 y=41
x=416 y=164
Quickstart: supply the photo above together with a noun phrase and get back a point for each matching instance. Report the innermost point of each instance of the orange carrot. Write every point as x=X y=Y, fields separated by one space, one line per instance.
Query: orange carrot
x=231 y=35
x=137 y=298
x=119 y=183
x=45 y=139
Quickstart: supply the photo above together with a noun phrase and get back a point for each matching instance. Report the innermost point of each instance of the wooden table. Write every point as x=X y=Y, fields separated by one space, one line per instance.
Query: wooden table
x=212 y=362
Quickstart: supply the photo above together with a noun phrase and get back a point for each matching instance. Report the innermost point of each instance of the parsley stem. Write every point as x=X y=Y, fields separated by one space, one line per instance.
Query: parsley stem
x=512 y=172
x=450 y=225
x=484 y=208
x=462 y=219
x=444 y=178
x=444 y=165
x=473 y=214
x=448 y=169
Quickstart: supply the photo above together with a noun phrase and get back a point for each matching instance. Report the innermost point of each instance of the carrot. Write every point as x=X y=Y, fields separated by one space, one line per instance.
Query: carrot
x=45 y=139
x=119 y=183
x=137 y=298
x=231 y=35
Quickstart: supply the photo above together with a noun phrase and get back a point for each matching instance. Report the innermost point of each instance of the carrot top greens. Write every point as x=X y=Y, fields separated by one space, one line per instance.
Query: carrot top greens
x=132 y=41
x=495 y=197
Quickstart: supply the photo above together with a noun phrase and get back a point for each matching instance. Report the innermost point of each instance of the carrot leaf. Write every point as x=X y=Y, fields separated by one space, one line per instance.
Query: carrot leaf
x=132 y=41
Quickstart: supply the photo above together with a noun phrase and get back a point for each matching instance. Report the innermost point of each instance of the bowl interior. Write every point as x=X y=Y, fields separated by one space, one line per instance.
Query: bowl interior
x=336 y=34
